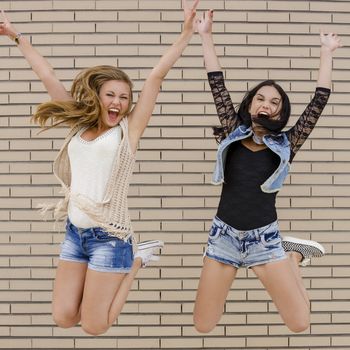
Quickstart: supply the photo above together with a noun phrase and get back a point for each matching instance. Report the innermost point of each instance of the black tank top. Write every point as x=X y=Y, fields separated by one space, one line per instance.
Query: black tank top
x=243 y=205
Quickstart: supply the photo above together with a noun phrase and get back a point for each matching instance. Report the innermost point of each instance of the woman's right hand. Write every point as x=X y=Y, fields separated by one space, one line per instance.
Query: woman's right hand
x=6 y=28
x=204 y=24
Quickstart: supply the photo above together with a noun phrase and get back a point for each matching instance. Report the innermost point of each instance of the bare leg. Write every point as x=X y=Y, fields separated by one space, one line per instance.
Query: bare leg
x=295 y=258
x=214 y=284
x=105 y=294
x=68 y=292
x=283 y=282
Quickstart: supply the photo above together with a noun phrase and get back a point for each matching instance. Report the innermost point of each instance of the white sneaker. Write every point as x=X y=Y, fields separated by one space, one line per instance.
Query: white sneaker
x=308 y=249
x=146 y=251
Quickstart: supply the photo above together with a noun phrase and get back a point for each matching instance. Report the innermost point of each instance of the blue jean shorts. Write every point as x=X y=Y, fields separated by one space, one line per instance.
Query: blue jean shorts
x=244 y=248
x=97 y=248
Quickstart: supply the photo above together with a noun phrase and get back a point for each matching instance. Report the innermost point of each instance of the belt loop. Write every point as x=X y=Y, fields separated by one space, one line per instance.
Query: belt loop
x=257 y=234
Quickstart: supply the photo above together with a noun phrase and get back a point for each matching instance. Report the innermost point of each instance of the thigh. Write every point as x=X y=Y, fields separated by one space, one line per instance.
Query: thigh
x=67 y=292
x=283 y=286
x=109 y=254
x=99 y=293
x=214 y=284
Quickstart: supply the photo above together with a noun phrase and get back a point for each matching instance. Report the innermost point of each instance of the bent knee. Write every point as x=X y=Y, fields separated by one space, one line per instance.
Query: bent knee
x=66 y=320
x=203 y=326
x=299 y=325
x=94 y=329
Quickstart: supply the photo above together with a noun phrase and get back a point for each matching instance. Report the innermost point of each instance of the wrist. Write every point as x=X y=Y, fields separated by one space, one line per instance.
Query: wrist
x=186 y=33
x=326 y=50
x=15 y=37
x=206 y=35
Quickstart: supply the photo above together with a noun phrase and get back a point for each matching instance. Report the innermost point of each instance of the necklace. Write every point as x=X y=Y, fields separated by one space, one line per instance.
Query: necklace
x=258 y=139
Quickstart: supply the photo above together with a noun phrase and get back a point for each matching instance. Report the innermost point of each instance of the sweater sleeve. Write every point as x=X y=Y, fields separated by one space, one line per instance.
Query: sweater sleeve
x=223 y=103
x=298 y=134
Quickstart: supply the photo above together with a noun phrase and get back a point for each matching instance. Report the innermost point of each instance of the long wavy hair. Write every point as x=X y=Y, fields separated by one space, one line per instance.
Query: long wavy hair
x=273 y=126
x=85 y=108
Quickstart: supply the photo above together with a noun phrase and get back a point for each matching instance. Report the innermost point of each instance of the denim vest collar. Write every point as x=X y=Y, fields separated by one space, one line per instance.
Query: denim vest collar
x=278 y=144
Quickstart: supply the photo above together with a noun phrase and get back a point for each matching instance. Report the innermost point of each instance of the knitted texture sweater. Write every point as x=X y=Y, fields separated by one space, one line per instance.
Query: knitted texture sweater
x=112 y=212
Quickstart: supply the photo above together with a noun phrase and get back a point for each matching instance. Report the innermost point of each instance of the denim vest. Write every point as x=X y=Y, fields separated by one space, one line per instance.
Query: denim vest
x=278 y=144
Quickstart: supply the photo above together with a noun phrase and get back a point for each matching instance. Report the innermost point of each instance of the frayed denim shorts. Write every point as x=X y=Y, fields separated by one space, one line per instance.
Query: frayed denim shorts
x=97 y=248
x=244 y=248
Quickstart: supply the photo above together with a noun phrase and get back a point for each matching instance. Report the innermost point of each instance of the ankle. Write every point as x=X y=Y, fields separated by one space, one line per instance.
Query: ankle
x=295 y=256
x=138 y=262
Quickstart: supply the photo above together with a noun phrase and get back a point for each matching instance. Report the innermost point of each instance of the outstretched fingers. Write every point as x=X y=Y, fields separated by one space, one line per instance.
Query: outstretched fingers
x=190 y=10
x=190 y=21
x=5 y=23
x=330 y=40
x=204 y=23
x=4 y=18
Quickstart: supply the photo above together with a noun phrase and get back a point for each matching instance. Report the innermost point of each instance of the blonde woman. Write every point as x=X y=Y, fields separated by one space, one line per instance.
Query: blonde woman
x=97 y=266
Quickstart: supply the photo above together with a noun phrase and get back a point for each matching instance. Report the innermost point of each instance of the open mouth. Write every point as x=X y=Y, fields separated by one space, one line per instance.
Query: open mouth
x=263 y=115
x=113 y=114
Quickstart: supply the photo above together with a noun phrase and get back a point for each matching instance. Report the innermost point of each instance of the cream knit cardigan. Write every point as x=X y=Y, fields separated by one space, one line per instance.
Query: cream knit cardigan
x=112 y=212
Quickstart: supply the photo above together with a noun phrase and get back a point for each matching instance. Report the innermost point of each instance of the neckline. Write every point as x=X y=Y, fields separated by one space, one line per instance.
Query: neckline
x=99 y=137
x=253 y=151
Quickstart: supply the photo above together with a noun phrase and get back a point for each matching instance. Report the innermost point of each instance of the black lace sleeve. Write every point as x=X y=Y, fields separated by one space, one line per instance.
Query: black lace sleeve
x=223 y=103
x=298 y=134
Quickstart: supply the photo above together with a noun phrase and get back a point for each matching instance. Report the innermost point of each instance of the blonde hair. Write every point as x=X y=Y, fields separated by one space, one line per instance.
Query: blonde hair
x=85 y=108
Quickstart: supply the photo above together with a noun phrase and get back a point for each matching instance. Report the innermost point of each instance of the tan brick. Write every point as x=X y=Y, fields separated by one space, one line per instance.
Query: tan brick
x=271 y=39
x=273 y=16
x=160 y=331
x=310 y=17
x=5 y=331
x=31 y=5
x=182 y=202
x=273 y=342
x=99 y=343
x=138 y=319
x=340 y=340
x=31 y=331
x=14 y=320
x=288 y=5
x=18 y=344
x=117 y=5
x=247 y=5
x=74 y=5
x=56 y=16
x=246 y=330
x=315 y=341
x=47 y=343
x=186 y=343
x=268 y=63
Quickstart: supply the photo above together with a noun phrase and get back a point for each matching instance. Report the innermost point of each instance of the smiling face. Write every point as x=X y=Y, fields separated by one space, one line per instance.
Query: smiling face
x=267 y=103
x=115 y=98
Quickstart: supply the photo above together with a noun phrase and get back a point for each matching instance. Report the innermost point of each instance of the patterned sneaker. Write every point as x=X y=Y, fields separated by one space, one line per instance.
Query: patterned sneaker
x=146 y=250
x=308 y=249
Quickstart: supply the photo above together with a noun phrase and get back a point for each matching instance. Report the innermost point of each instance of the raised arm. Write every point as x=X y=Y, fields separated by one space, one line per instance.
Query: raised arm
x=329 y=43
x=140 y=115
x=39 y=64
x=298 y=134
x=223 y=103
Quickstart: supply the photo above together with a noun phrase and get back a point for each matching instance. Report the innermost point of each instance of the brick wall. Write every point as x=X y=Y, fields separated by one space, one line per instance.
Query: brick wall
x=171 y=197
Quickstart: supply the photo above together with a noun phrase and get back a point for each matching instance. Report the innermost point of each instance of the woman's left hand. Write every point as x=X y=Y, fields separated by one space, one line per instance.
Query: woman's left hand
x=190 y=15
x=331 y=41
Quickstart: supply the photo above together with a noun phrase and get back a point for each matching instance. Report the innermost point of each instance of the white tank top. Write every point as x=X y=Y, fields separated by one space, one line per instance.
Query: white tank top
x=91 y=164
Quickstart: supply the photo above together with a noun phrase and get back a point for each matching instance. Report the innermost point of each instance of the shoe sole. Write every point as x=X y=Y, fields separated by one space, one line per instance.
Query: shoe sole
x=305 y=247
x=150 y=244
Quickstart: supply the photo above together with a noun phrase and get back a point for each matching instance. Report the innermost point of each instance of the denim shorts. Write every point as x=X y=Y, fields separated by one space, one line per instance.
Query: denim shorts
x=244 y=248
x=97 y=248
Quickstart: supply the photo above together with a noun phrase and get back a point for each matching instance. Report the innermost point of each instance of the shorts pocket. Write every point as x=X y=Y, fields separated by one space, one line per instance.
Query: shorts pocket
x=215 y=232
x=270 y=239
x=100 y=235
